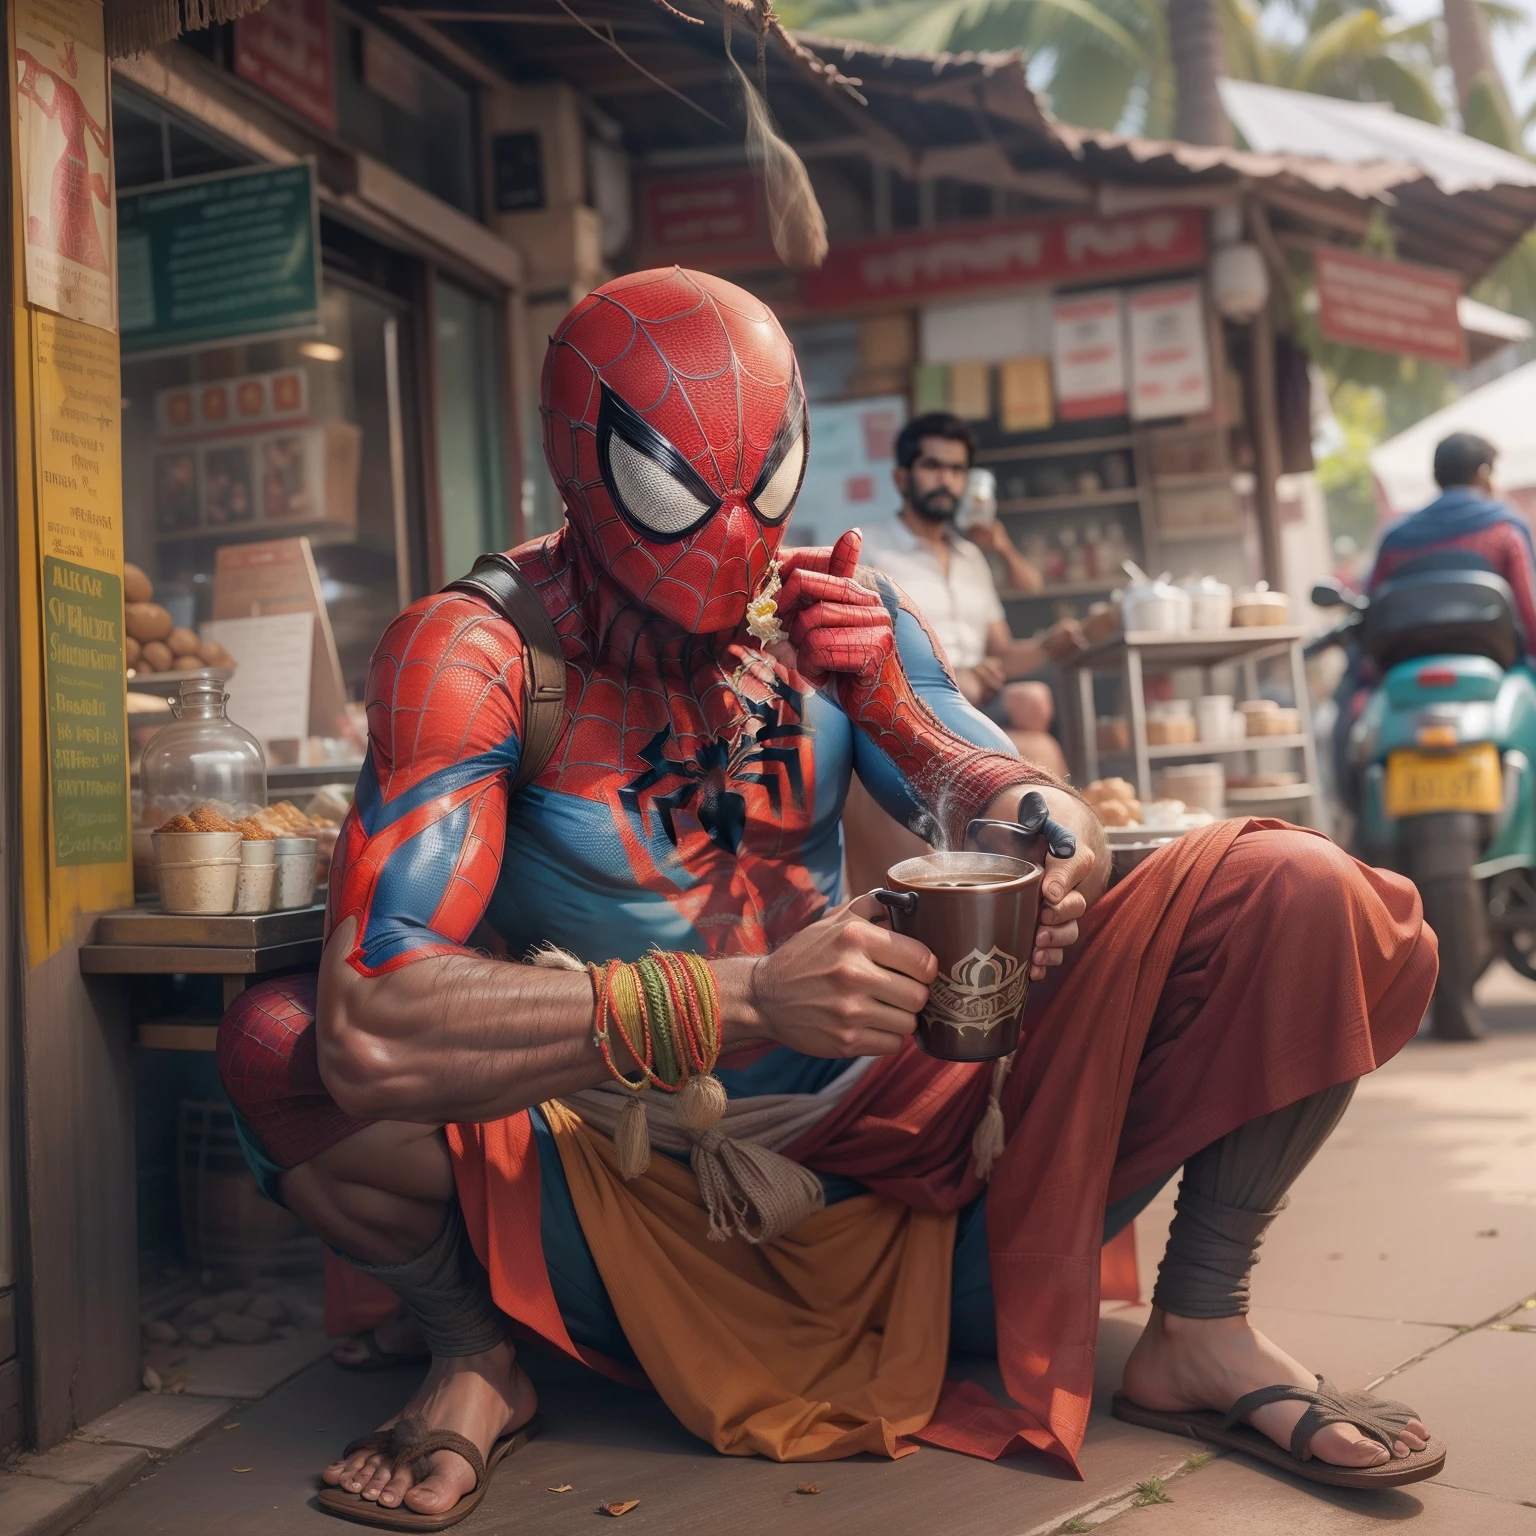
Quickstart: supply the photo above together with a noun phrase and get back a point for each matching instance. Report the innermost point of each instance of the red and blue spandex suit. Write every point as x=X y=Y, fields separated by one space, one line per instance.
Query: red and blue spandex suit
x=694 y=798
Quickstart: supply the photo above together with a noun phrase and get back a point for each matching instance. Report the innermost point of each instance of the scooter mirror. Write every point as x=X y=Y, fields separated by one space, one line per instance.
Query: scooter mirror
x=1329 y=592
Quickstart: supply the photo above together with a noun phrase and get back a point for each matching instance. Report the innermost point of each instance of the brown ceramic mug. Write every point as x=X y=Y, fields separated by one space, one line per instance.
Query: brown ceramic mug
x=978 y=913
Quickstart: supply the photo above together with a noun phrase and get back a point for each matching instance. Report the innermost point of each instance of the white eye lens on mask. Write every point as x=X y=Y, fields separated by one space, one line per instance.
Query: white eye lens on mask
x=778 y=482
x=658 y=492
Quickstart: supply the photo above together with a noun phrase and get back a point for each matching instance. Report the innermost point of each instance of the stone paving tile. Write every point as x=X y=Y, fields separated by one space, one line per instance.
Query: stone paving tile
x=34 y=1506
x=1365 y=1238
x=1231 y=1497
x=238 y=1370
x=157 y=1421
x=105 y=1469
x=1479 y=1394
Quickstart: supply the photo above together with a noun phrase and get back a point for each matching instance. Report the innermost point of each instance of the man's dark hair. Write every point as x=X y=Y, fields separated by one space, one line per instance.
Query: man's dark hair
x=1459 y=457
x=909 y=441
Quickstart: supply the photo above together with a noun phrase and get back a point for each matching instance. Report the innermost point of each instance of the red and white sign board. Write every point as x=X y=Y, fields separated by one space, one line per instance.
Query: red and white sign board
x=1060 y=250
x=285 y=48
x=1088 y=355
x=1389 y=306
x=1170 y=352
x=714 y=219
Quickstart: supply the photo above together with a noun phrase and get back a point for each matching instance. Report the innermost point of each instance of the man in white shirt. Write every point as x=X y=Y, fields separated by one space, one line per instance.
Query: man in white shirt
x=947 y=579
x=950 y=583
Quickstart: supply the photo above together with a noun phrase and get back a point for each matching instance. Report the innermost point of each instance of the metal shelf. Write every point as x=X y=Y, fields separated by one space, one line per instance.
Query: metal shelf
x=1187 y=648
x=1270 y=794
x=1223 y=748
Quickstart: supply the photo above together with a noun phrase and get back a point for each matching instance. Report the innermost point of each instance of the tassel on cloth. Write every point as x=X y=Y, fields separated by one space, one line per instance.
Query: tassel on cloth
x=991 y=1135
x=632 y=1139
x=750 y=1191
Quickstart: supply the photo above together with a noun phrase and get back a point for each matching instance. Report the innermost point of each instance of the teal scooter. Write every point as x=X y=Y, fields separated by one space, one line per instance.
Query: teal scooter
x=1439 y=767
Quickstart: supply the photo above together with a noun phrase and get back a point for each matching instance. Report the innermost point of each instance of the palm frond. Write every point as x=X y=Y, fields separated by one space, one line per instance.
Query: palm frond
x=1067 y=23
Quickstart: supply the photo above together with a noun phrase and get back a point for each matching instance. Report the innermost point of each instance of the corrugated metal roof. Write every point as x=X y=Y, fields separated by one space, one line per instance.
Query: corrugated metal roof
x=1352 y=132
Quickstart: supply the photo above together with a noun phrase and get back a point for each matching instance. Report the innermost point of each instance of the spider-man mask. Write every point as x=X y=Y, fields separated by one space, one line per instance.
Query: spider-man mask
x=675 y=427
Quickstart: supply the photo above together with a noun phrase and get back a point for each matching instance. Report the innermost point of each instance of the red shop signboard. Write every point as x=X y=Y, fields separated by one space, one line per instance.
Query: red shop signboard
x=1057 y=250
x=705 y=220
x=285 y=48
x=1390 y=306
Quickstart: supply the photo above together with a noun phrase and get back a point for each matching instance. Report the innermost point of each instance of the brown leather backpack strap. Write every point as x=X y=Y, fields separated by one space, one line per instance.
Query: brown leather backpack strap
x=497 y=581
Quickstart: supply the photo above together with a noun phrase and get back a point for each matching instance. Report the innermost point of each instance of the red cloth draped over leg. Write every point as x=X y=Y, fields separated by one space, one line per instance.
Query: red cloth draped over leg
x=1241 y=969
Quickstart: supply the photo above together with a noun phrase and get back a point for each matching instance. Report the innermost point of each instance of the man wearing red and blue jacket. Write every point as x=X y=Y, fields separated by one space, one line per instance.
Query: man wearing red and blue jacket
x=1466 y=517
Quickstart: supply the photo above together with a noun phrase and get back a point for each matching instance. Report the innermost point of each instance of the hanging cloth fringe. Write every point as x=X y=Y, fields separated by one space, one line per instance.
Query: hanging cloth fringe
x=795 y=220
x=134 y=26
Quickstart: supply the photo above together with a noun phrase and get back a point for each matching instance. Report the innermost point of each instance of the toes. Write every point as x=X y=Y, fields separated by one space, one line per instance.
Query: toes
x=1345 y=1446
x=395 y=1489
x=356 y=1472
x=378 y=1482
x=451 y=1479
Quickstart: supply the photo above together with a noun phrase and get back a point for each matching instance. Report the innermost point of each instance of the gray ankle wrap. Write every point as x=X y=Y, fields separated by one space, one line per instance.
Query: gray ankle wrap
x=448 y=1292
x=1229 y=1194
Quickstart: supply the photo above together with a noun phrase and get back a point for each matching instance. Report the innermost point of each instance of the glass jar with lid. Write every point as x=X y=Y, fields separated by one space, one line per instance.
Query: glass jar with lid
x=201 y=758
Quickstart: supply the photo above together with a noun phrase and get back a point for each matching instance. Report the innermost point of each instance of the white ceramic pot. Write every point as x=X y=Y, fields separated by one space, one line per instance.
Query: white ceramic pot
x=1214 y=714
x=1156 y=606
x=1210 y=602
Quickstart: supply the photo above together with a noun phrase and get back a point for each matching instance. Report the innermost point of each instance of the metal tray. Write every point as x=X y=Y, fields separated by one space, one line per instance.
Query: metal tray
x=148 y=926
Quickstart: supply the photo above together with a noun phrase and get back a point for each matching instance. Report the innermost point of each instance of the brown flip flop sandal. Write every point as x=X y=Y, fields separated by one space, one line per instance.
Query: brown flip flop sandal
x=410 y=1444
x=377 y=1358
x=1377 y=1417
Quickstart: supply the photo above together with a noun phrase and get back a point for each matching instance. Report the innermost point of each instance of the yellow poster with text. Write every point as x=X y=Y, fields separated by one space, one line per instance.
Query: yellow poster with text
x=68 y=464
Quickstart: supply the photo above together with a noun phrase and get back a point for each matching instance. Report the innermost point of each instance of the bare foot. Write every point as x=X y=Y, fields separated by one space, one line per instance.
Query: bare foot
x=1182 y=1363
x=481 y=1397
x=397 y=1335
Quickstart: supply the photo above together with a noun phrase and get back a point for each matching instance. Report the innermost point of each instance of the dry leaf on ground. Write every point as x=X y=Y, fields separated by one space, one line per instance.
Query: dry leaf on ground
x=617 y=1509
x=563 y=1488
x=808 y=1488
x=239 y=1469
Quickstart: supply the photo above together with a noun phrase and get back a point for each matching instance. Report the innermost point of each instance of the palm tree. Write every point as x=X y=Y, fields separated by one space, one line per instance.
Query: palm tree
x=1485 y=109
x=1151 y=65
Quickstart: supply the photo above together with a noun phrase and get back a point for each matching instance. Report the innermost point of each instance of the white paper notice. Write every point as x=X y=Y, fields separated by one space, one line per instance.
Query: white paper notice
x=66 y=160
x=269 y=693
x=848 y=475
x=1088 y=351
x=1170 y=356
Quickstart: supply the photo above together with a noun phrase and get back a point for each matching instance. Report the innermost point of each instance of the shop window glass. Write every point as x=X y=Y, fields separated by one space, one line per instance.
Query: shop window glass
x=471 y=424
x=394 y=106
x=325 y=455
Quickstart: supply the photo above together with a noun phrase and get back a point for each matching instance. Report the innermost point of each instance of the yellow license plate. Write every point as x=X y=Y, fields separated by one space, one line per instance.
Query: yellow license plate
x=1419 y=783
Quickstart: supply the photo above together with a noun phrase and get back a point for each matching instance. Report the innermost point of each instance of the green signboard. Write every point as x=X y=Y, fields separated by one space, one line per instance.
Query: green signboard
x=87 y=750
x=218 y=258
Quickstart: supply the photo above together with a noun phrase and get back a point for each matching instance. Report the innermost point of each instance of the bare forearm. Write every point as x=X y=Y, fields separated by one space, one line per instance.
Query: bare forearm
x=1021 y=657
x=461 y=1038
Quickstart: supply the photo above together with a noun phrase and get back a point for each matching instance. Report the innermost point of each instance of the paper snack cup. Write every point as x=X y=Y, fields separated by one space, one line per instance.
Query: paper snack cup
x=198 y=871
x=297 y=860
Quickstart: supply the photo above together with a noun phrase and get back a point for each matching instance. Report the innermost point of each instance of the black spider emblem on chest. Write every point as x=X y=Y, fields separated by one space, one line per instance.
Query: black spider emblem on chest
x=762 y=749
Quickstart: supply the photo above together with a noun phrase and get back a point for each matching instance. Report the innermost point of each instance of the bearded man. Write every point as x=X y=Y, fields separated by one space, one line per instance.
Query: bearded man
x=444 y=1118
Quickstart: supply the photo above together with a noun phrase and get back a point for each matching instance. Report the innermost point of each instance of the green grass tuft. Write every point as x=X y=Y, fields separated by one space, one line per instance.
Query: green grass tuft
x=1076 y=1525
x=1153 y=1491
x=1198 y=1460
